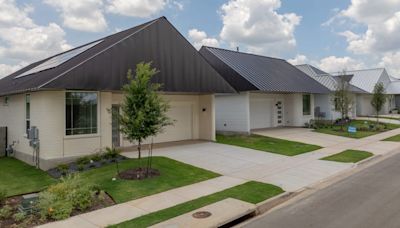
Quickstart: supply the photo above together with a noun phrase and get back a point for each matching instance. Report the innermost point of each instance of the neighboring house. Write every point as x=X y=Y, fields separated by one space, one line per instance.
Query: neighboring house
x=394 y=88
x=324 y=106
x=68 y=97
x=366 y=80
x=273 y=92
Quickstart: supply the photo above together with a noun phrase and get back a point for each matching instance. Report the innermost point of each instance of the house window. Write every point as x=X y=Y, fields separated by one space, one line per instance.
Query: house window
x=81 y=113
x=27 y=112
x=306 y=104
x=6 y=100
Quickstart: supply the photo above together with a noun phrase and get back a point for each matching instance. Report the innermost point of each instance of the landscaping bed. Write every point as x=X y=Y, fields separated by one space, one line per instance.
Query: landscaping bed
x=267 y=144
x=68 y=198
x=87 y=163
x=349 y=156
x=252 y=192
x=364 y=128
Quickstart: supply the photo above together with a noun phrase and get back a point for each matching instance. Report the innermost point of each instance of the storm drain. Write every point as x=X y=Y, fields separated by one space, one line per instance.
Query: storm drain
x=201 y=214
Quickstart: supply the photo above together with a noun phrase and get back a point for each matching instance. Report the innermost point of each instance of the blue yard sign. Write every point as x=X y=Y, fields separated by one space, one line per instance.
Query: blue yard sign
x=352 y=129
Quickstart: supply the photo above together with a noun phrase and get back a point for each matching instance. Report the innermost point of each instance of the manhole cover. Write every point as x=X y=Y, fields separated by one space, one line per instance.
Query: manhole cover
x=201 y=214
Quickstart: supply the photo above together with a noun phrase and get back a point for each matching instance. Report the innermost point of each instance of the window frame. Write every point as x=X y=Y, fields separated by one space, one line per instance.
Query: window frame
x=28 y=119
x=97 y=134
x=308 y=113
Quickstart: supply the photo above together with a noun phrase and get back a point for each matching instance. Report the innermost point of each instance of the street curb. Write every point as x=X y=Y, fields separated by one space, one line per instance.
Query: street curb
x=270 y=203
x=370 y=159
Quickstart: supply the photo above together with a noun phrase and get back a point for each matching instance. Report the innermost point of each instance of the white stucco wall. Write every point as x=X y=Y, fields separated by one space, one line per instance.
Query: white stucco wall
x=324 y=101
x=364 y=107
x=294 y=110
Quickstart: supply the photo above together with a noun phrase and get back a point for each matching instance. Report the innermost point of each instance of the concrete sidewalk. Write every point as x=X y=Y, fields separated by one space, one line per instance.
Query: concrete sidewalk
x=237 y=165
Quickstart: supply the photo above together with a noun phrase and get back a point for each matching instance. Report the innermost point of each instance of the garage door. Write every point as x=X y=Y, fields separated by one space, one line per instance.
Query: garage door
x=261 y=113
x=182 y=129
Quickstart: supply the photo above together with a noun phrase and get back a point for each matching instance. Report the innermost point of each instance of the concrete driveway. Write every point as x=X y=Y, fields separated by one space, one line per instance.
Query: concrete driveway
x=304 y=135
x=290 y=173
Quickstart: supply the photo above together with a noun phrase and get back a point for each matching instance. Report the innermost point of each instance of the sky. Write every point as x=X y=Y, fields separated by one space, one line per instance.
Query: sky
x=332 y=35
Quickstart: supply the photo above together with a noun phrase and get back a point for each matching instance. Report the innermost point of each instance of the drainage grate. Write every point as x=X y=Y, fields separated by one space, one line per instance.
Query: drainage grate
x=201 y=214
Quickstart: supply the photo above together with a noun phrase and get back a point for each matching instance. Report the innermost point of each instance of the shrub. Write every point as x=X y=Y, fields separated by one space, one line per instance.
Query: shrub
x=59 y=200
x=111 y=153
x=83 y=160
x=19 y=217
x=6 y=212
x=63 y=168
x=96 y=157
x=3 y=196
x=81 y=167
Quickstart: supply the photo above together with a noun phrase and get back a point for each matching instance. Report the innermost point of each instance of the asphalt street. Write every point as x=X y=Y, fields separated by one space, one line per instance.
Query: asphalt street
x=367 y=199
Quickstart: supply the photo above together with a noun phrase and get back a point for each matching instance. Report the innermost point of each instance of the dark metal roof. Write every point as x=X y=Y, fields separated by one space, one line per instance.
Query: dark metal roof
x=249 y=72
x=104 y=66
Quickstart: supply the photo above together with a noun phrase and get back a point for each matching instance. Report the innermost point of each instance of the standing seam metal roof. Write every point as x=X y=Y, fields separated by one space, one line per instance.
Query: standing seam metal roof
x=264 y=73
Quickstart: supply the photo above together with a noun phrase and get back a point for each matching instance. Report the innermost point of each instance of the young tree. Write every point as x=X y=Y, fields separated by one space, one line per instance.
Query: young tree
x=378 y=99
x=342 y=100
x=143 y=109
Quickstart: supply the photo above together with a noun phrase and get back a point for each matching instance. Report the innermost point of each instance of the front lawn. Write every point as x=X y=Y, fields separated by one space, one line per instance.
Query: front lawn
x=364 y=128
x=395 y=138
x=349 y=156
x=173 y=174
x=252 y=192
x=267 y=144
x=17 y=177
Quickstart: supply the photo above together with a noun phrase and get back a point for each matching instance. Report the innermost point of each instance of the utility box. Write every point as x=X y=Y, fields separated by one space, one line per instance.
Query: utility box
x=3 y=141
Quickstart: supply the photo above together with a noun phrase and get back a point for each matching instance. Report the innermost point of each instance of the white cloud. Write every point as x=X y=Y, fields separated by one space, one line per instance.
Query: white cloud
x=257 y=25
x=391 y=62
x=382 y=21
x=24 y=41
x=298 y=60
x=8 y=69
x=136 y=8
x=200 y=38
x=337 y=64
x=178 y=5
x=82 y=15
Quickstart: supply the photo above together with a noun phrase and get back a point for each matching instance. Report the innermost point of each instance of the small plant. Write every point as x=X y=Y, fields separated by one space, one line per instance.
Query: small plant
x=81 y=167
x=19 y=217
x=111 y=153
x=6 y=212
x=96 y=157
x=83 y=160
x=3 y=196
x=63 y=168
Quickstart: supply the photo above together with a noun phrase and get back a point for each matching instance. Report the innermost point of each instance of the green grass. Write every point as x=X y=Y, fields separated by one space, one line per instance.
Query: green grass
x=267 y=144
x=173 y=174
x=362 y=129
x=349 y=156
x=252 y=192
x=17 y=177
x=395 y=138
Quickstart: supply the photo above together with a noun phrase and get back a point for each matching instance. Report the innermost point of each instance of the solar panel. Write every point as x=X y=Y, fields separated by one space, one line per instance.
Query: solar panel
x=58 y=60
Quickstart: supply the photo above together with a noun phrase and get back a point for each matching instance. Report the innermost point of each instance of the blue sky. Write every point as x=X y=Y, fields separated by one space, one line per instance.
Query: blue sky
x=332 y=35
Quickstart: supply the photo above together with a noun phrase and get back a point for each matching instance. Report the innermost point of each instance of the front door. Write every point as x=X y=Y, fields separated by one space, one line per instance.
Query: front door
x=279 y=113
x=115 y=126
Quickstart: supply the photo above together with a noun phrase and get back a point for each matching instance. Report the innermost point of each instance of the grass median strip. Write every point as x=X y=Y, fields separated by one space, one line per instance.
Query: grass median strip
x=395 y=138
x=349 y=156
x=173 y=174
x=252 y=192
x=267 y=144
x=17 y=177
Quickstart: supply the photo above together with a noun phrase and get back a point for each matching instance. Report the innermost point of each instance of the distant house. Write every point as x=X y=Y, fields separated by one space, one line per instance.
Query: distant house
x=272 y=92
x=68 y=96
x=324 y=106
x=366 y=80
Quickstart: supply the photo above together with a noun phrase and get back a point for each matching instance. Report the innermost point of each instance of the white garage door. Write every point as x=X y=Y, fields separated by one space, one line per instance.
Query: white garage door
x=261 y=113
x=182 y=129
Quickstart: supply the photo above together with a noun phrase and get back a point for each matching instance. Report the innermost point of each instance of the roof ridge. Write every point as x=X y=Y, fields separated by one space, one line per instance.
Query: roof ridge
x=145 y=25
x=377 y=68
x=245 y=53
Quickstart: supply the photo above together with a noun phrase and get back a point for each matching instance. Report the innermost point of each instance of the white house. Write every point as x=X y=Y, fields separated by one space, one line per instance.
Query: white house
x=324 y=106
x=68 y=97
x=366 y=80
x=272 y=92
